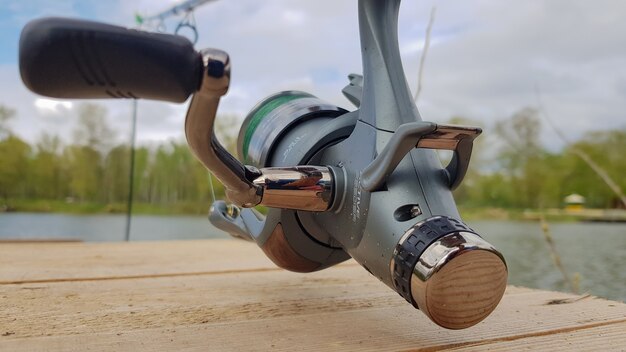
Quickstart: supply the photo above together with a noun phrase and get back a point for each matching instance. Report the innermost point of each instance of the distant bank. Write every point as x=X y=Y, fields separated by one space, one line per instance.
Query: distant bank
x=64 y=207
x=201 y=209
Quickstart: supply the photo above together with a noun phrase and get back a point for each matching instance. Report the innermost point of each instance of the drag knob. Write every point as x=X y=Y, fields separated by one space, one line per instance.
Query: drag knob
x=449 y=272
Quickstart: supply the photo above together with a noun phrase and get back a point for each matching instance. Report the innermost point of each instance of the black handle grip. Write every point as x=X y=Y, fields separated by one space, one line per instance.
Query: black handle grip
x=68 y=58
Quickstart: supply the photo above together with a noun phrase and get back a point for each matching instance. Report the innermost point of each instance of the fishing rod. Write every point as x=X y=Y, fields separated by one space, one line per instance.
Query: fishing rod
x=182 y=8
x=364 y=183
x=185 y=8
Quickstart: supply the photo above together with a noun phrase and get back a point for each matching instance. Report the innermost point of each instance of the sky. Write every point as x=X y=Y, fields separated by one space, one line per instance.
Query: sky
x=487 y=60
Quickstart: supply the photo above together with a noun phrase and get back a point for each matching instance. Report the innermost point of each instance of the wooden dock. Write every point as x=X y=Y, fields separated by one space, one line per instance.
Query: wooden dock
x=224 y=295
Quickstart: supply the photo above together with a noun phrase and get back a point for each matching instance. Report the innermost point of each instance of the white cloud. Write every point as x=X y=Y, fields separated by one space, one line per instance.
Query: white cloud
x=416 y=46
x=295 y=18
x=486 y=59
x=47 y=106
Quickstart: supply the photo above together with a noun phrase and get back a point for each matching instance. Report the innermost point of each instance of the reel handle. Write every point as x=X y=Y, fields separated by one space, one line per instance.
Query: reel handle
x=303 y=187
x=69 y=58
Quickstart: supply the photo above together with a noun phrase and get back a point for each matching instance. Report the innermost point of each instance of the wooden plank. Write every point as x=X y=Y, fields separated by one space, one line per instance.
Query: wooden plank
x=243 y=308
x=37 y=240
x=43 y=262
x=604 y=337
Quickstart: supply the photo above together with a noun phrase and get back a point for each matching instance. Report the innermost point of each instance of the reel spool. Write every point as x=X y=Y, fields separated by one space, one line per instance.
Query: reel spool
x=294 y=128
x=273 y=117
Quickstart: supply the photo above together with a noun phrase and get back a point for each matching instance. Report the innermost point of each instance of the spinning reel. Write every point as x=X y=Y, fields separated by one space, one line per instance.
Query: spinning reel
x=367 y=184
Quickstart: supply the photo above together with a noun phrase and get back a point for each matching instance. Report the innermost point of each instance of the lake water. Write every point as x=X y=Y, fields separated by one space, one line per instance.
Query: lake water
x=597 y=252
x=105 y=227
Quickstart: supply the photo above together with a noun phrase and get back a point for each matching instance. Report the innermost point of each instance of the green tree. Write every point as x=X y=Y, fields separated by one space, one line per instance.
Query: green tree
x=115 y=174
x=606 y=149
x=142 y=179
x=14 y=167
x=48 y=179
x=92 y=139
x=522 y=156
x=84 y=165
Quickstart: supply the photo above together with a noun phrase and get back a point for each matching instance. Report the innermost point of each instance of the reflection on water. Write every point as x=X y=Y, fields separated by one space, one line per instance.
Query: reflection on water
x=596 y=251
x=106 y=227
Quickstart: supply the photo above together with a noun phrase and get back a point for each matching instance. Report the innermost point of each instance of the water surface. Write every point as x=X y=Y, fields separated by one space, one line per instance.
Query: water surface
x=105 y=227
x=596 y=251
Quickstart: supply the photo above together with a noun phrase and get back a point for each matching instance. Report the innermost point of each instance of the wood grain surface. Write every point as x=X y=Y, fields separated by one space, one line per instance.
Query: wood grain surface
x=224 y=295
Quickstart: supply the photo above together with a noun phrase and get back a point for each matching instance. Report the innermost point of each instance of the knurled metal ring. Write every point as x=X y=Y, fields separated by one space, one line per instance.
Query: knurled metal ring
x=413 y=243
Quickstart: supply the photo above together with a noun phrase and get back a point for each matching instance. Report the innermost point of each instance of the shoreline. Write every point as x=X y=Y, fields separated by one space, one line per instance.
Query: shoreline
x=201 y=209
x=94 y=208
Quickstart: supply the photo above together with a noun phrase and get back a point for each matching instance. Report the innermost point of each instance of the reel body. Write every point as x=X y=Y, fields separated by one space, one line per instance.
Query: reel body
x=364 y=184
x=405 y=231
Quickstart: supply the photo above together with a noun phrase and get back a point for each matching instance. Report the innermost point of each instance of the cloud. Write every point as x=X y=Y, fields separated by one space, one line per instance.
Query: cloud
x=486 y=59
x=568 y=49
x=52 y=107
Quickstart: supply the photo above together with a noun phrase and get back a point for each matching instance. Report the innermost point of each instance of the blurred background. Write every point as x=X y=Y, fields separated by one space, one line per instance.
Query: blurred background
x=545 y=80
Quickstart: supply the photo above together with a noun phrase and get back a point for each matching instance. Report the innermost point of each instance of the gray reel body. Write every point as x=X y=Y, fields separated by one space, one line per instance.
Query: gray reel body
x=392 y=208
x=365 y=184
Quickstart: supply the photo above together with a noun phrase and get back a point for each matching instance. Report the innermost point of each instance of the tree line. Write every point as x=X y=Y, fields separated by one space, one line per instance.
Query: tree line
x=91 y=170
x=510 y=167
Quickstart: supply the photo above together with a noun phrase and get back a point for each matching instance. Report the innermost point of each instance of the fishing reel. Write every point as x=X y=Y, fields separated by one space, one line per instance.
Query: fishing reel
x=365 y=184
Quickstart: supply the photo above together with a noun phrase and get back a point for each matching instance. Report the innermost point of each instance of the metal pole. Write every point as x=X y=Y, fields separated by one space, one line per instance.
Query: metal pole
x=131 y=172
